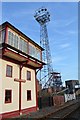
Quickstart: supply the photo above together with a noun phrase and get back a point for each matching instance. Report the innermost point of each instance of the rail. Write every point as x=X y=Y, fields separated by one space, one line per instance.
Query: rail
x=64 y=112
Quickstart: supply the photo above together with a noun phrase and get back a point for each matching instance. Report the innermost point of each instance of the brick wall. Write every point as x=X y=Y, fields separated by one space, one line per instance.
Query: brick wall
x=58 y=100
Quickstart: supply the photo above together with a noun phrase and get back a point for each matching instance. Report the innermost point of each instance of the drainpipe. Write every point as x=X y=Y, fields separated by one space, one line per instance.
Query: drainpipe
x=36 y=88
x=20 y=89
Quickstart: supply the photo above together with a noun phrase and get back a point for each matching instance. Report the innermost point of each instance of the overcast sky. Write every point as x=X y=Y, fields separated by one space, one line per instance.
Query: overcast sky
x=62 y=31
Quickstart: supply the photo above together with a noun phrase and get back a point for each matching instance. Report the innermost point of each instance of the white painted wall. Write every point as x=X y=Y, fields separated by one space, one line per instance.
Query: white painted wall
x=9 y=83
x=1 y=86
x=69 y=97
x=29 y=85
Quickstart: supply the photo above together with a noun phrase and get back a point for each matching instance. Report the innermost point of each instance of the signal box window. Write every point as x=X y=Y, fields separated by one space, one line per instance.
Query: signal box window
x=28 y=75
x=8 y=94
x=9 y=71
x=28 y=95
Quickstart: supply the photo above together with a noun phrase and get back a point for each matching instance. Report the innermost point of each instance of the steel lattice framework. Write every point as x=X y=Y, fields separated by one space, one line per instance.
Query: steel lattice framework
x=42 y=16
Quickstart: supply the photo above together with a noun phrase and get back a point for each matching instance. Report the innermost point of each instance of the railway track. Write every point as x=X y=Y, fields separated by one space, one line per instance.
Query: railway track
x=57 y=113
x=63 y=113
x=75 y=115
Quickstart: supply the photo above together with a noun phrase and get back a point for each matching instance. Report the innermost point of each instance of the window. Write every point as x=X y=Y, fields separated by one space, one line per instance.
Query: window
x=9 y=71
x=28 y=75
x=2 y=36
x=20 y=44
x=34 y=52
x=10 y=38
x=8 y=94
x=15 y=40
x=38 y=54
x=28 y=94
x=24 y=46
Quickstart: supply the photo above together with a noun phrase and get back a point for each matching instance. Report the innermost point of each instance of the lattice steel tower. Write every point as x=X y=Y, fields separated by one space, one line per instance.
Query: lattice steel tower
x=42 y=16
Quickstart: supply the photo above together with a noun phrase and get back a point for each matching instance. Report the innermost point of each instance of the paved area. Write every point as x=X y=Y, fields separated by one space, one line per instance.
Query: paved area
x=43 y=113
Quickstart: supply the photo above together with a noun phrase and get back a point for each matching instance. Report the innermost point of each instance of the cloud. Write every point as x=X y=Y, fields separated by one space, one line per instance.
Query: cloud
x=73 y=32
x=65 y=45
x=58 y=32
x=69 y=22
x=57 y=59
x=23 y=13
x=66 y=32
x=63 y=23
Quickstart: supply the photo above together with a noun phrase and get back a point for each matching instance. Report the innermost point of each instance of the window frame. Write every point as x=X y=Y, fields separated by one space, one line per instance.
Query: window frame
x=2 y=36
x=7 y=71
x=29 y=99
x=28 y=75
x=10 y=96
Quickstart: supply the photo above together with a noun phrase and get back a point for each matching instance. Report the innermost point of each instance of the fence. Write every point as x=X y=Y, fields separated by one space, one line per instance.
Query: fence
x=50 y=101
x=45 y=102
x=69 y=97
x=58 y=99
